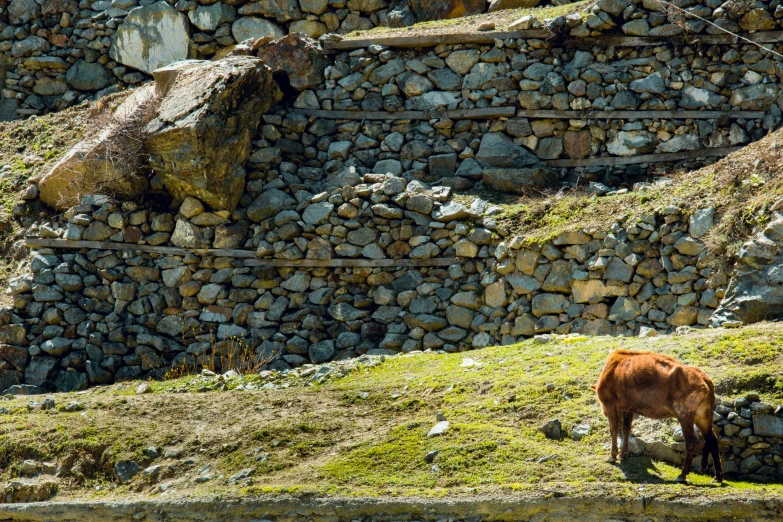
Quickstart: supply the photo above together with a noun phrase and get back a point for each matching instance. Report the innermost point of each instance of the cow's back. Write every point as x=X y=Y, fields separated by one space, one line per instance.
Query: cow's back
x=647 y=383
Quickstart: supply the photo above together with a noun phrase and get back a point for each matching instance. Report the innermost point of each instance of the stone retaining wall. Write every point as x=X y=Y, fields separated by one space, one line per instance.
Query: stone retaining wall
x=101 y=314
x=750 y=435
x=56 y=53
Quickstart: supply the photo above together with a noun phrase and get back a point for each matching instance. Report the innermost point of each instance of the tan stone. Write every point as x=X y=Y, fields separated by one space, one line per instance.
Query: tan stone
x=595 y=289
x=105 y=163
x=200 y=139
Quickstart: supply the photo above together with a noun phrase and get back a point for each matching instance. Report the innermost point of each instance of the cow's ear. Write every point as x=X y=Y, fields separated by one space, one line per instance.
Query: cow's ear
x=594 y=386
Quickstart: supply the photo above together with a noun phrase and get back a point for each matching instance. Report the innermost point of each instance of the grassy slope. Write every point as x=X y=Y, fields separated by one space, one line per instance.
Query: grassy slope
x=365 y=434
x=501 y=19
x=29 y=148
x=743 y=187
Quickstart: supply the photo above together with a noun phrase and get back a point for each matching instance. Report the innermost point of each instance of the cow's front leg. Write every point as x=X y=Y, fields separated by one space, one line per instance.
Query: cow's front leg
x=614 y=428
x=627 y=421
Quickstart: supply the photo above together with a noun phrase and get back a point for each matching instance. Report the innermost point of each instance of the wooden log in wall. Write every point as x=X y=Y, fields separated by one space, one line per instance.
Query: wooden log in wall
x=453 y=114
x=644 y=158
x=638 y=115
x=510 y=112
x=248 y=255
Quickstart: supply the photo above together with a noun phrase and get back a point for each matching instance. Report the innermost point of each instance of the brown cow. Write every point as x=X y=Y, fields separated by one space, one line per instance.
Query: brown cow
x=659 y=387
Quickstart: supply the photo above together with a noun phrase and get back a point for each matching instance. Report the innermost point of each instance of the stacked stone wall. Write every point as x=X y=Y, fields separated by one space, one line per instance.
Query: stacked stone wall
x=56 y=53
x=372 y=264
x=750 y=434
x=552 y=94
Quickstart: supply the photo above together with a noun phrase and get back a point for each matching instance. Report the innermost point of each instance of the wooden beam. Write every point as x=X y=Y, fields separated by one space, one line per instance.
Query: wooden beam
x=353 y=263
x=107 y=245
x=454 y=114
x=248 y=255
x=510 y=112
x=683 y=39
x=638 y=115
x=644 y=158
x=431 y=40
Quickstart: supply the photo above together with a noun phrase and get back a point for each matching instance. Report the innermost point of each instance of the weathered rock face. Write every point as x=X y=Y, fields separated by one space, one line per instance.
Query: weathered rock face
x=299 y=57
x=200 y=139
x=151 y=37
x=755 y=292
x=441 y=10
x=106 y=163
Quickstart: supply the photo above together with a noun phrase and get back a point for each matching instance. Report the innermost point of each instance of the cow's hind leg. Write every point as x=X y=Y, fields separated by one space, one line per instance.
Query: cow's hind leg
x=627 y=421
x=690 y=446
x=704 y=422
x=613 y=415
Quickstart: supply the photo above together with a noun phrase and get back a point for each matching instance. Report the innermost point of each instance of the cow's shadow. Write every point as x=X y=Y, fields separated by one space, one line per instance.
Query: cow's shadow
x=641 y=469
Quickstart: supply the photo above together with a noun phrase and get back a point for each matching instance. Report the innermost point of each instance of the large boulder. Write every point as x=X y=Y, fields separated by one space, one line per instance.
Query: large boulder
x=106 y=163
x=301 y=58
x=200 y=140
x=151 y=37
x=440 y=10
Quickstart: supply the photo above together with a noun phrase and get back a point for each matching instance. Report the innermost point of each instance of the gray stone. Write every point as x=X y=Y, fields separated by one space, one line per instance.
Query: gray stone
x=210 y=17
x=86 y=76
x=268 y=204
x=552 y=429
x=624 y=310
x=701 y=221
x=516 y=180
x=461 y=62
x=125 y=470
x=618 y=270
x=696 y=98
x=652 y=83
x=252 y=28
x=442 y=165
x=39 y=369
x=679 y=143
x=550 y=148
x=497 y=150
x=632 y=143
x=317 y=213
x=321 y=352
x=546 y=304
x=638 y=27
x=22 y=11
x=151 y=37
x=767 y=425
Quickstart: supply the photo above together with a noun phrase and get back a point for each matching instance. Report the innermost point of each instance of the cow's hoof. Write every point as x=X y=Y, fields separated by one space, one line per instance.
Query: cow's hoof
x=611 y=460
x=623 y=456
x=681 y=480
x=717 y=480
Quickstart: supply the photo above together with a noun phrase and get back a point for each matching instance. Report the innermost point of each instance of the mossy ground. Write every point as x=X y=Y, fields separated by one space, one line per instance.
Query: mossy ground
x=28 y=149
x=467 y=24
x=744 y=188
x=366 y=434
